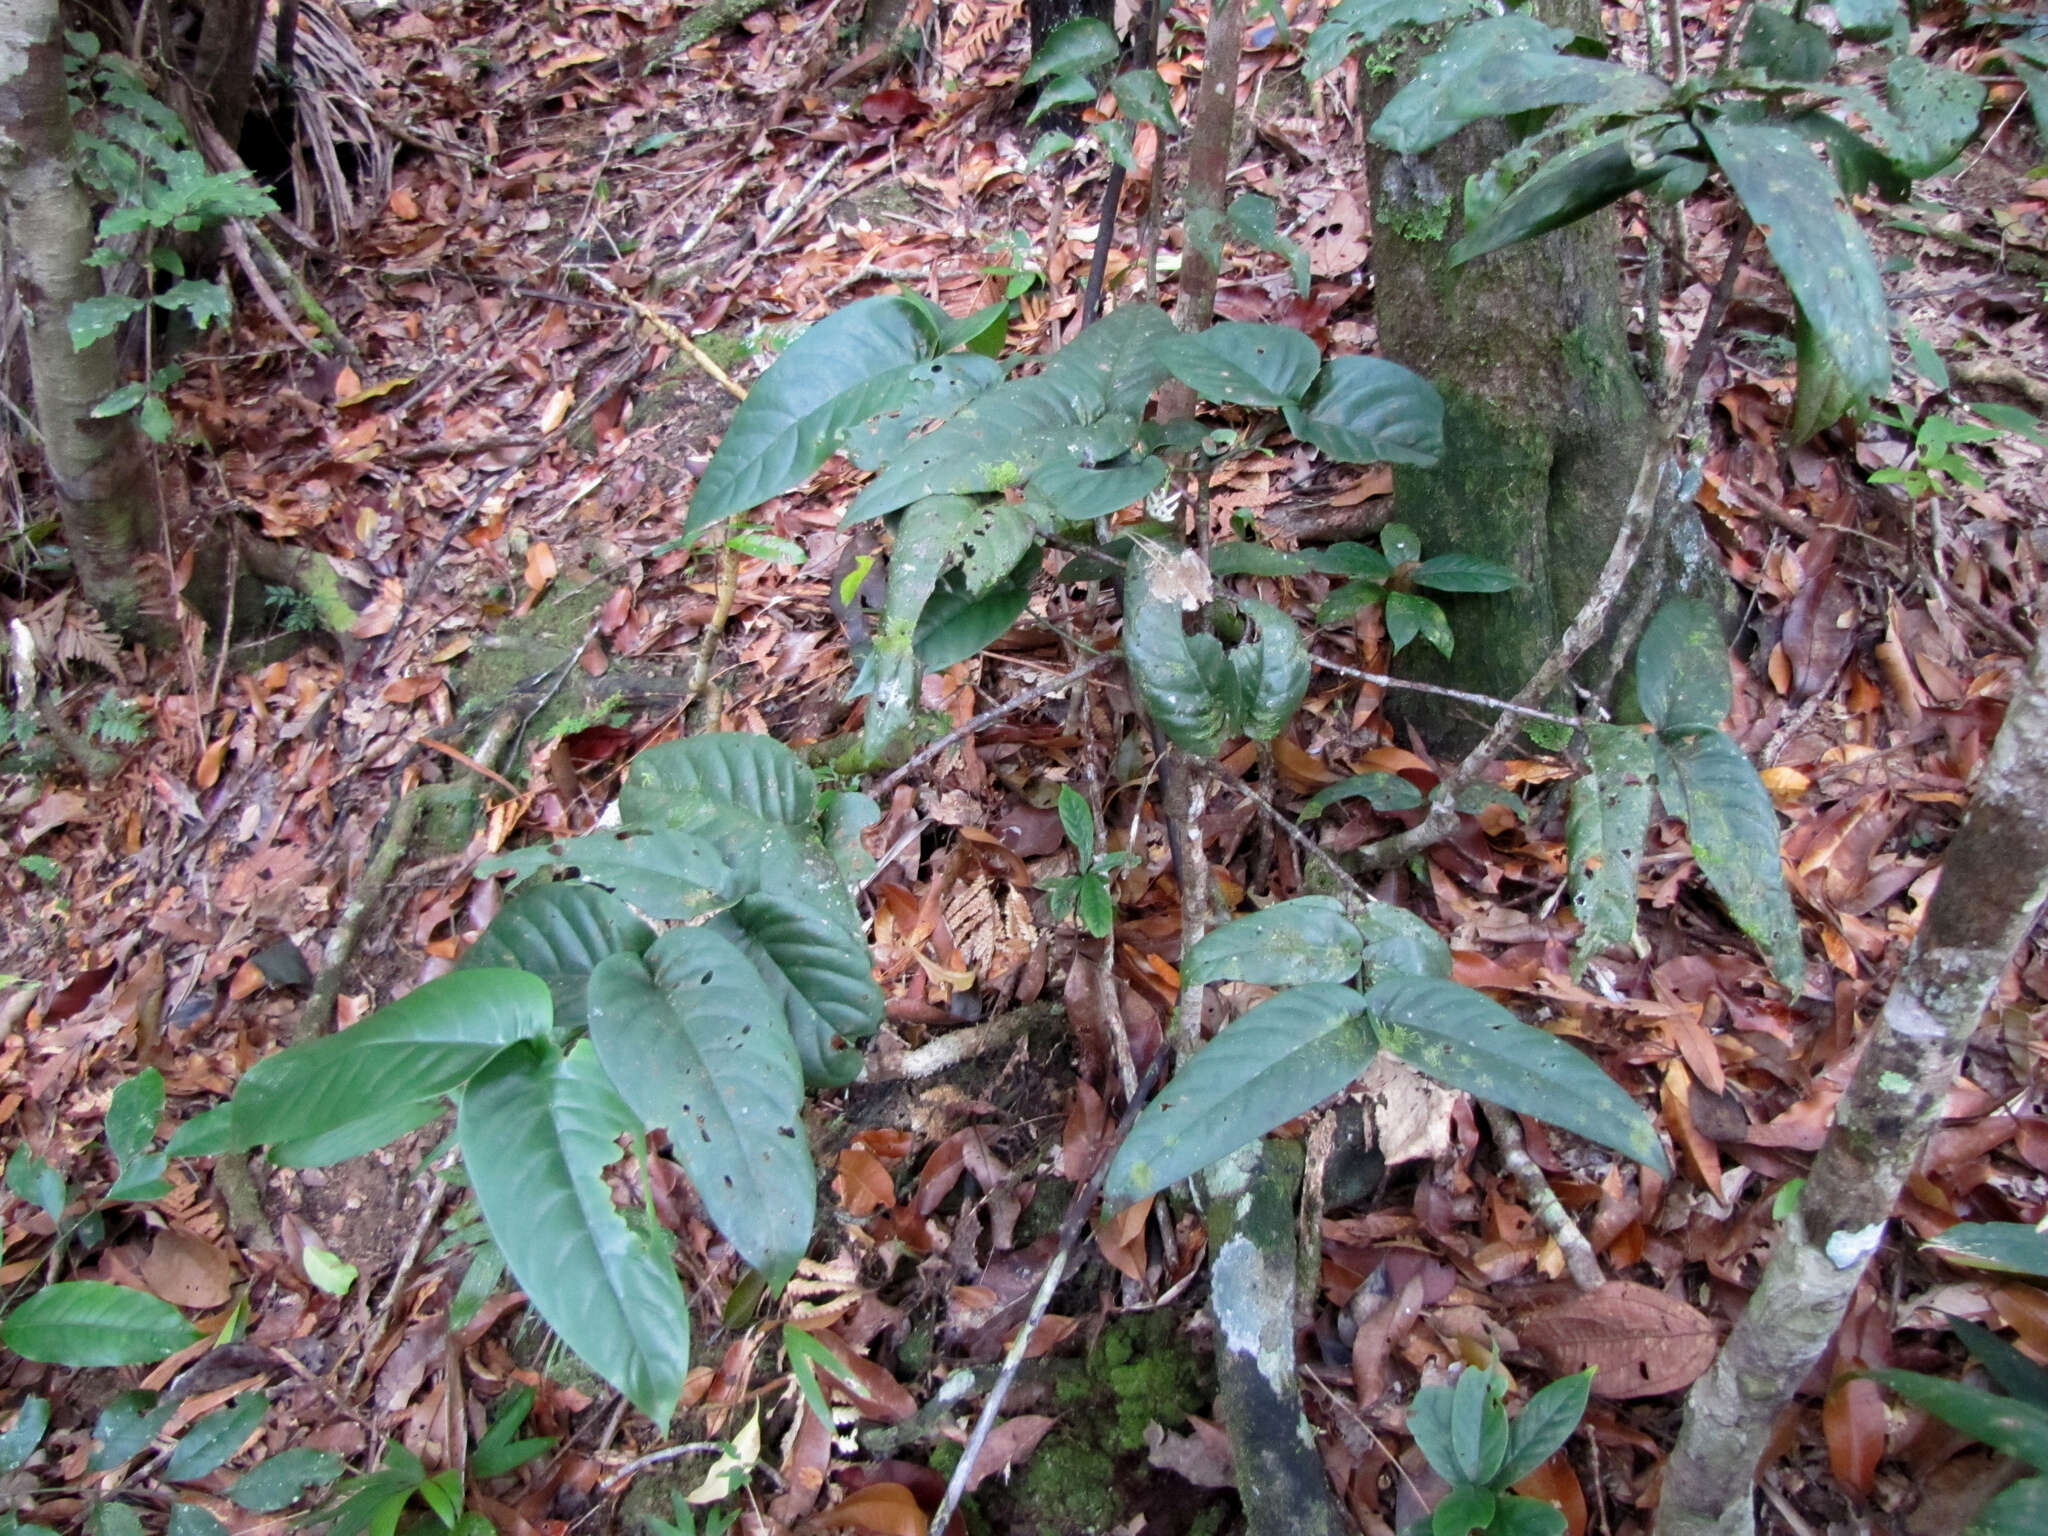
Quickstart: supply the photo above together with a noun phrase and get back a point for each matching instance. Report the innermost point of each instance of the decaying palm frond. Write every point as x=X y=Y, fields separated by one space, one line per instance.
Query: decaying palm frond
x=343 y=154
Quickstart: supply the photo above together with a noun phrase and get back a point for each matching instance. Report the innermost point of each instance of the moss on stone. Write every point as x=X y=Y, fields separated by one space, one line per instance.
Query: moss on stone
x=1068 y=1485
x=1419 y=220
x=535 y=644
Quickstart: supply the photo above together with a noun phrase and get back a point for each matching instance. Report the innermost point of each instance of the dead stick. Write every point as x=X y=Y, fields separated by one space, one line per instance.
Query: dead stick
x=990 y=716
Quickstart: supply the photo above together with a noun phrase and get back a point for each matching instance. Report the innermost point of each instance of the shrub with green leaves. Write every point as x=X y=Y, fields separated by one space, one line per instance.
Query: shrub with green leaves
x=1086 y=892
x=692 y=970
x=1608 y=130
x=1070 y=69
x=1465 y=1432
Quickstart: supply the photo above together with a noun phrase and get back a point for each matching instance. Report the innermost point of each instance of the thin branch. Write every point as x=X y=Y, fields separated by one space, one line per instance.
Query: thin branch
x=988 y=717
x=1579 y=1257
x=1295 y=835
x=1485 y=700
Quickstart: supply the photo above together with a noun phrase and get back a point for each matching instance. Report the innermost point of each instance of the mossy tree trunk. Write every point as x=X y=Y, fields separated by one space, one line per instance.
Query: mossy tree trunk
x=106 y=495
x=1545 y=422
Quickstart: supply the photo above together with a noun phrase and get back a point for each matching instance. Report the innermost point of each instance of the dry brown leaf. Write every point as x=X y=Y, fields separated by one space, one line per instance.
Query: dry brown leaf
x=188 y=1271
x=1641 y=1342
x=888 y=1508
x=862 y=1184
x=379 y=617
x=1008 y=1443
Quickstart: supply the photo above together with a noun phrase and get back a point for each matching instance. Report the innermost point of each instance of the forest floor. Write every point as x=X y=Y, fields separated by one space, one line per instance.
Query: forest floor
x=503 y=466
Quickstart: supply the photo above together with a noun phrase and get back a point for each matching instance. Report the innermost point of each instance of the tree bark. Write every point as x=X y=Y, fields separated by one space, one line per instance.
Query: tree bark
x=224 y=63
x=103 y=479
x=1993 y=880
x=1545 y=421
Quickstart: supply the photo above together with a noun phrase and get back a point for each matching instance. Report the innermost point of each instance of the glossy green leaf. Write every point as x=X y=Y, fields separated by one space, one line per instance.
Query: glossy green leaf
x=1384 y=791
x=1078 y=822
x=1074 y=47
x=1262 y=365
x=537 y=1133
x=1471 y=1397
x=2021 y=1510
x=847 y=813
x=669 y=875
x=1465 y=1039
x=1464 y=573
x=38 y=1182
x=1824 y=396
x=1409 y=616
x=21 y=1438
x=2010 y=1247
x=756 y=773
x=1819 y=247
x=125 y=1428
x=1183 y=703
x=956 y=625
x=1348 y=600
x=1366 y=410
x=1145 y=98
x=1351 y=24
x=559 y=932
x=1734 y=831
x=114 y=1518
x=1308 y=939
x=1496 y=67
x=1115 y=135
x=95 y=319
x=1062 y=91
x=430 y=1041
x=1272 y=671
x=1604 y=836
x=191 y=1520
x=758 y=544
x=2007 y=1425
x=844 y=369
x=377 y=1129
x=1279 y=1060
x=1563 y=190
x=696 y=1047
x=1429 y=1424
x=280 y=1481
x=819 y=971
x=216 y=1437
x=1514 y=1515
x=1682 y=678
x=1544 y=1425
x=1352 y=559
x=1868 y=21
x=1400 y=543
x=1237 y=558
x=1784 y=49
x=1399 y=943
x=934 y=392
x=982 y=333
x=83 y=1323
x=1076 y=494
x=2015 y=1374
x=132 y=1116
x=501 y=1450
x=1255 y=220
x=1045 y=146
x=1463 y=1510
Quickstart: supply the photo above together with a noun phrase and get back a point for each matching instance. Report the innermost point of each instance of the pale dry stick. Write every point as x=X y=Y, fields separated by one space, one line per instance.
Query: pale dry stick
x=1579 y=1257
x=667 y=1453
x=789 y=215
x=673 y=335
x=947 y=1051
x=1485 y=700
x=1299 y=838
x=696 y=237
x=990 y=716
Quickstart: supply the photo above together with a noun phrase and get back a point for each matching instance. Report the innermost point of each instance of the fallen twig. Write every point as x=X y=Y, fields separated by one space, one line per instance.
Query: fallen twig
x=1579 y=1257
x=990 y=716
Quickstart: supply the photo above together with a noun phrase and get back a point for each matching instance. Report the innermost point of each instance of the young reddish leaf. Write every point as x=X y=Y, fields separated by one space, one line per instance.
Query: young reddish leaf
x=1854 y=1420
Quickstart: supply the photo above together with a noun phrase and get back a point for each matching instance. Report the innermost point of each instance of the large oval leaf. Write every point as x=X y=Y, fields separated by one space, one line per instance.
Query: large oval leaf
x=83 y=1323
x=699 y=1048
x=1291 y=942
x=537 y=1133
x=756 y=773
x=1682 y=680
x=1272 y=671
x=559 y=933
x=1245 y=364
x=357 y=1137
x=1366 y=410
x=1175 y=693
x=957 y=624
x=429 y=1042
x=668 y=874
x=846 y=368
x=1467 y=1040
x=1279 y=1060
x=1734 y=832
x=1076 y=47
x=1604 y=832
x=1820 y=248
x=1074 y=494
x=1399 y=943
x=820 y=972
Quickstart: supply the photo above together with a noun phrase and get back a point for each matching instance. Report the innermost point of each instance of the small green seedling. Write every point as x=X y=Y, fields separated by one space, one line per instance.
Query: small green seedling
x=1085 y=894
x=1390 y=575
x=1465 y=1432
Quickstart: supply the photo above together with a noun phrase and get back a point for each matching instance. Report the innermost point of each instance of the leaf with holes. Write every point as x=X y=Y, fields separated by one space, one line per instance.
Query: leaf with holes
x=1279 y=1060
x=819 y=971
x=686 y=1037
x=1308 y=939
x=1466 y=1040
x=1366 y=410
x=1604 y=833
x=559 y=933
x=537 y=1133
x=843 y=370
x=1734 y=832
x=669 y=875
x=1262 y=365
x=1682 y=681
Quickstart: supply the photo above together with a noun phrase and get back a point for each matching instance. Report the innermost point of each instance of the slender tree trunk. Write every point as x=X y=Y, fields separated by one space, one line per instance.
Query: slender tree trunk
x=224 y=64
x=1993 y=881
x=1545 y=421
x=103 y=480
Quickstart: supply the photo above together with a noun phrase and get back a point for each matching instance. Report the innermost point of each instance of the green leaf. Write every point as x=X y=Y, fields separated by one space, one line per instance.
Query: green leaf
x=1400 y=543
x=694 y=1051
x=1365 y=410
x=537 y=1135
x=758 y=544
x=377 y=1129
x=1383 y=791
x=1734 y=832
x=1398 y=943
x=126 y=1426
x=933 y=393
x=670 y=875
x=1824 y=396
x=1545 y=1424
x=956 y=625
x=25 y=1433
x=1352 y=559
x=1463 y=1510
x=559 y=933
x=500 y=1450
x=1822 y=251
x=1144 y=97
x=1062 y=91
x=1045 y=146
x=1115 y=135
x=2008 y=1426
x=756 y=773
x=1514 y=1515
x=122 y=400
x=83 y=1323
x=1347 y=600
x=1262 y=365
x=1682 y=680
x=430 y=1041
x=2010 y=1247
x=1429 y=1423
x=130 y=1128
x=1784 y=49
x=155 y=419
x=1184 y=704
x=114 y=1518
x=1604 y=835
x=1409 y=616
x=847 y=813
x=1078 y=821
x=204 y=301
x=328 y=1271
x=844 y=369
x=1464 y=573
x=820 y=972
x=1272 y=671
x=281 y=1480
x=1496 y=67
x=1076 y=494
x=210 y=1442
x=1934 y=114
x=191 y=1520
x=1308 y=939
x=1471 y=1396
x=1279 y=1060
x=1353 y=23
x=1094 y=906
x=2017 y=1375
x=807 y=1357
x=982 y=333
x=1867 y=21
x=94 y=320
x=1237 y=558
x=1075 y=47
x=1256 y=220
x=1468 y=1041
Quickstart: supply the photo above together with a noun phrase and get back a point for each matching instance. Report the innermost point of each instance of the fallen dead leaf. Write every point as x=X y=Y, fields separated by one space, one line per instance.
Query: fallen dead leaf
x=1639 y=1341
x=1008 y=1443
x=188 y=1271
